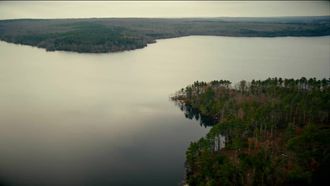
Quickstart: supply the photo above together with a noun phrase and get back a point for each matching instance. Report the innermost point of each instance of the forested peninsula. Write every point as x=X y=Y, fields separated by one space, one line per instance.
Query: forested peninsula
x=101 y=35
x=270 y=132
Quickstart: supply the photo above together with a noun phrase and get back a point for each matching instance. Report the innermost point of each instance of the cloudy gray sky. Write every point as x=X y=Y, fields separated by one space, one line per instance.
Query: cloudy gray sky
x=53 y=9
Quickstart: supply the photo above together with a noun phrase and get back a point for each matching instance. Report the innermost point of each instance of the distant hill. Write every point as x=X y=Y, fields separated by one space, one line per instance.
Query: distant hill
x=100 y=35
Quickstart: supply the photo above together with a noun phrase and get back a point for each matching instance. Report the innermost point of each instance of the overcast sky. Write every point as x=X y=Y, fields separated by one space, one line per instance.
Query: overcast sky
x=53 y=9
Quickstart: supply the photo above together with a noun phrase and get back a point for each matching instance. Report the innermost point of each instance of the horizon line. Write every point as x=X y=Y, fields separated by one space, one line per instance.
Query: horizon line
x=201 y=17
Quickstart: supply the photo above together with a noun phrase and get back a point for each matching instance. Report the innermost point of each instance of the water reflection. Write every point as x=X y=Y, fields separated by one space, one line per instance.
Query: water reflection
x=194 y=114
x=205 y=121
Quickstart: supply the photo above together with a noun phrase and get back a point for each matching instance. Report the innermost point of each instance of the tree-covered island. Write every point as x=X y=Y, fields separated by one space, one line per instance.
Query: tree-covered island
x=100 y=35
x=271 y=132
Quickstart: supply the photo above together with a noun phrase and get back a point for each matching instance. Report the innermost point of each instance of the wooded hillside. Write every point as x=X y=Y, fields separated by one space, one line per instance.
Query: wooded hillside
x=271 y=132
x=99 y=35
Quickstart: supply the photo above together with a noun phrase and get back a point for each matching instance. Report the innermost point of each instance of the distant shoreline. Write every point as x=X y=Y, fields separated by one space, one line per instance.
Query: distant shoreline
x=156 y=41
x=103 y=35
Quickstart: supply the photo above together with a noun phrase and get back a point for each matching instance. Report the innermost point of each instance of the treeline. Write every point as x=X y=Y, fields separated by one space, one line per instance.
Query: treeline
x=86 y=38
x=271 y=132
x=97 y=35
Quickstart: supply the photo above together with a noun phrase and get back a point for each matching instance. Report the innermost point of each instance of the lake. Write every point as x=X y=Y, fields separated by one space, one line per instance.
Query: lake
x=106 y=119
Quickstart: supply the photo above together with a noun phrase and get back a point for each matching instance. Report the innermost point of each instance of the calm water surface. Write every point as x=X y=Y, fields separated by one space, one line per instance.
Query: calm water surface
x=106 y=119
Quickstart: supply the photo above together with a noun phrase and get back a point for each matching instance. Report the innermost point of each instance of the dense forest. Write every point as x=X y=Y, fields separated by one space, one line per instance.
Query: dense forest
x=270 y=132
x=99 y=35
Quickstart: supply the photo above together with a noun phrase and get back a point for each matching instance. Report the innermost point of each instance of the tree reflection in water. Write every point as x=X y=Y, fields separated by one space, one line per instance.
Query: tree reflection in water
x=193 y=113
